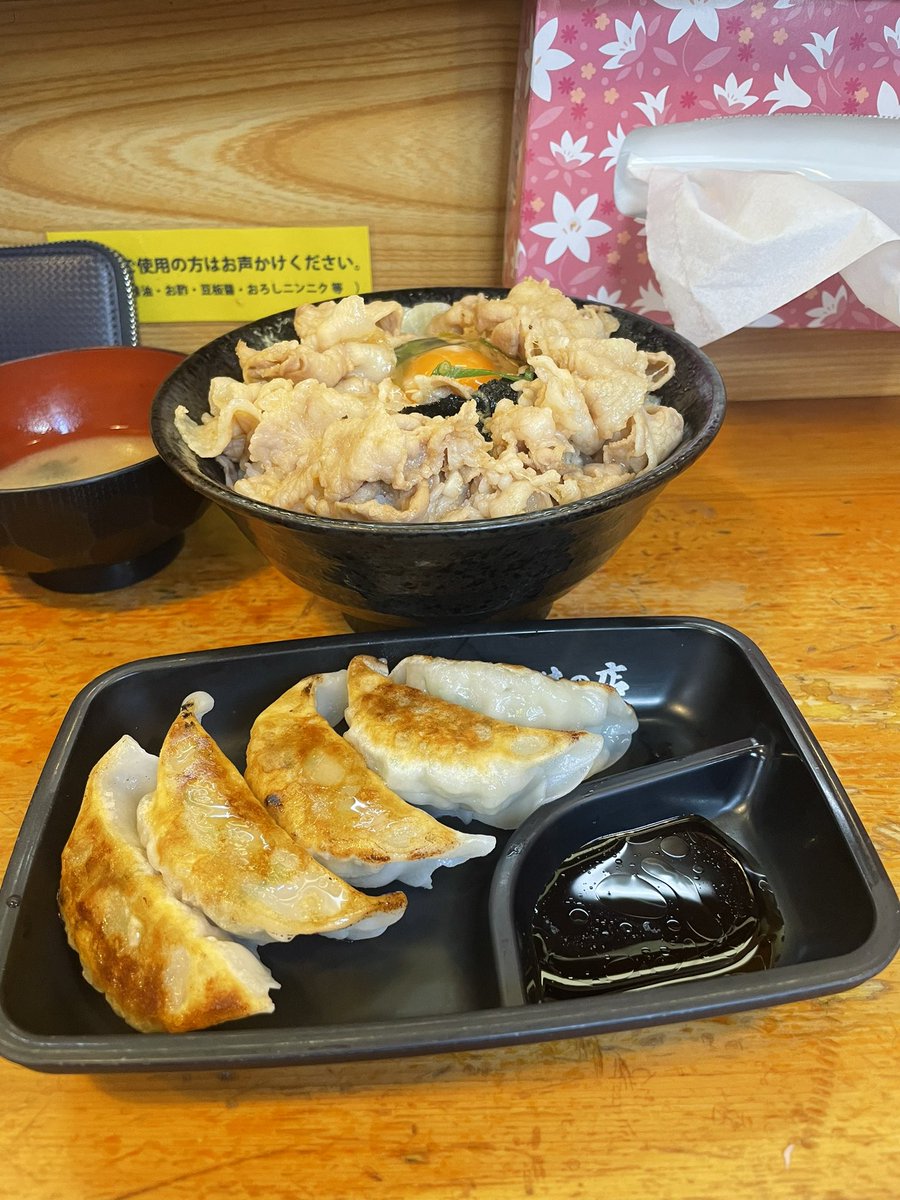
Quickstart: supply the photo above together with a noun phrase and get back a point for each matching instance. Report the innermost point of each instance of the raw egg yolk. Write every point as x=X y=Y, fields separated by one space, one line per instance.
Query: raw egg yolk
x=467 y=357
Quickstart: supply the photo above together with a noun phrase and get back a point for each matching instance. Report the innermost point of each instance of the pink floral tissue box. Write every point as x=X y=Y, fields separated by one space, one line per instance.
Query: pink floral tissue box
x=592 y=72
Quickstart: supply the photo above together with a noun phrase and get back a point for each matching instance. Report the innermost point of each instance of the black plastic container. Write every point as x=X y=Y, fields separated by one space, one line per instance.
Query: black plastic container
x=64 y=296
x=718 y=735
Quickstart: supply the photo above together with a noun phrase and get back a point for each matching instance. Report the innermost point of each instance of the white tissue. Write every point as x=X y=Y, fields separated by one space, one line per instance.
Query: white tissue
x=728 y=246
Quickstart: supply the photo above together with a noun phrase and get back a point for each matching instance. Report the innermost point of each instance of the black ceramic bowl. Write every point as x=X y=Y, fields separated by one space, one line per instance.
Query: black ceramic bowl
x=110 y=530
x=427 y=574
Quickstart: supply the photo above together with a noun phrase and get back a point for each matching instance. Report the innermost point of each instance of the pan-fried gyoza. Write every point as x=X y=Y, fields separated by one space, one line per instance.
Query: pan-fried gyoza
x=175 y=863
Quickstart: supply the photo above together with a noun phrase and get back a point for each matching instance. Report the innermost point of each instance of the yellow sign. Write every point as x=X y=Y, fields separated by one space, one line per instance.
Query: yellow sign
x=236 y=274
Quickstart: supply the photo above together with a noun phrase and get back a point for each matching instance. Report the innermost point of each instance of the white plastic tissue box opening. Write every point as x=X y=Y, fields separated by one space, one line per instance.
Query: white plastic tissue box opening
x=745 y=214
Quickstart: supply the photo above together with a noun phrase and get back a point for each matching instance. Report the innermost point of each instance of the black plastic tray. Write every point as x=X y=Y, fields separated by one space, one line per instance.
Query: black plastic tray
x=64 y=296
x=718 y=732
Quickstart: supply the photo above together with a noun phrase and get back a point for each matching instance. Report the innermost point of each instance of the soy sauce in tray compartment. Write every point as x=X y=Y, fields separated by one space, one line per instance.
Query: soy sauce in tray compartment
x=650 y=906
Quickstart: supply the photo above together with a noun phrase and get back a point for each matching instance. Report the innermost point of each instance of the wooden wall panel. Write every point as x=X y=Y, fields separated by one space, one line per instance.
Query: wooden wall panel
x=267 y=112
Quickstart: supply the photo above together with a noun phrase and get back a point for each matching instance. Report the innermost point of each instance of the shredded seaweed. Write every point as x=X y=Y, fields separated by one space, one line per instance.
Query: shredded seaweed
x=486 y=398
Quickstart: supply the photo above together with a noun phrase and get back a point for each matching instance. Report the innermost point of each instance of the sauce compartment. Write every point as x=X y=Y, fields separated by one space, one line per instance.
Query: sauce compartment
x=670 y=901
x=764 y=803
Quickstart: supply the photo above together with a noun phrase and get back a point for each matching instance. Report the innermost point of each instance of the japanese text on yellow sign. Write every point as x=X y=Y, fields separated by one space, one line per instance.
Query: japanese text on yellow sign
x=236 y=274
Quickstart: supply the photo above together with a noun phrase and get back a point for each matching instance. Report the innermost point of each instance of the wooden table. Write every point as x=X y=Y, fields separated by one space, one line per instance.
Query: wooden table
x=788 y=529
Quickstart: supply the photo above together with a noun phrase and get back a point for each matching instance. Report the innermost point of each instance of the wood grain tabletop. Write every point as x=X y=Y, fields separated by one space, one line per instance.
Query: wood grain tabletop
x=786 y=529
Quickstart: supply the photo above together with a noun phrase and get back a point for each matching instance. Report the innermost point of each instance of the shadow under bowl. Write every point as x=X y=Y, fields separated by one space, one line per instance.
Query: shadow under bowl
x=110 y=530
x=431 y=574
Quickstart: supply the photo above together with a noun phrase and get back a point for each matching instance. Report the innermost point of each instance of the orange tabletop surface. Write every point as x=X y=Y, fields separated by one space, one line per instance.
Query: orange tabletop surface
x=788 y=529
